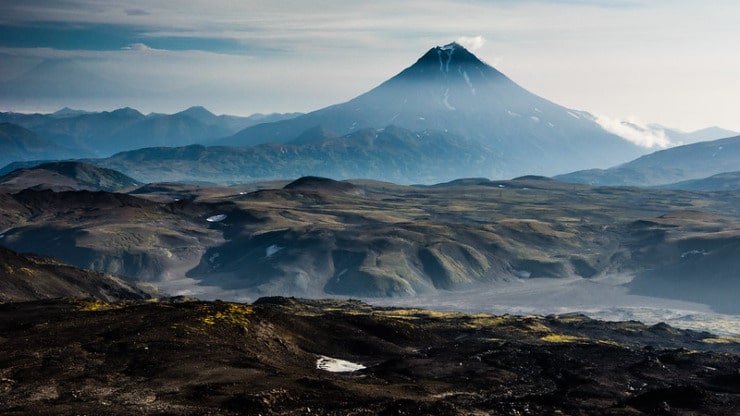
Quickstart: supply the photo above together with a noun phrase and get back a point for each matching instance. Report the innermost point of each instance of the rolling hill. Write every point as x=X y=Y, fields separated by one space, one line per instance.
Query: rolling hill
x=677 y=164
x=29 y=277
x=70 y=175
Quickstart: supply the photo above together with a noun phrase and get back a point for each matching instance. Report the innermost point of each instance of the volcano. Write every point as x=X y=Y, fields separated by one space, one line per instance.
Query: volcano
x=450 y=90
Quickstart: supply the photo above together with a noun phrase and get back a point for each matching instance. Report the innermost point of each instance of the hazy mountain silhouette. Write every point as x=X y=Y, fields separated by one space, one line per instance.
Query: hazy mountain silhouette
x=449 y=89
x=108 y=132
x=20 y=144
x=677 y=164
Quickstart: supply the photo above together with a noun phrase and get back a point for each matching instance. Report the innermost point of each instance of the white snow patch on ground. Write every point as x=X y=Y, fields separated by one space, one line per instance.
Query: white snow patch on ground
x=535 y=119
x=270 y=251
x=572 y=114
x=537 y=110
x=550 y=124
x=335 y=365
x=513 y=114
x=216 y=218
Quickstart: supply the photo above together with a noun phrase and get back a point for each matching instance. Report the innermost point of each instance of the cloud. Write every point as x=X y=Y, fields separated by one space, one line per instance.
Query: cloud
x=635 y=131
x=136 y=47
x=472 y=43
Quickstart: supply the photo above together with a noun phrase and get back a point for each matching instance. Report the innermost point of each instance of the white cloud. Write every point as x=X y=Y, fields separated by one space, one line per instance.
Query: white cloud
x=471 y=43
x=635 y=131
x=137 y=47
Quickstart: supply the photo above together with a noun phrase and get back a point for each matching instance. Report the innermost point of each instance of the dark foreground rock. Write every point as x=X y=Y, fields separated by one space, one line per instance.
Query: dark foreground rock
x=181 y=357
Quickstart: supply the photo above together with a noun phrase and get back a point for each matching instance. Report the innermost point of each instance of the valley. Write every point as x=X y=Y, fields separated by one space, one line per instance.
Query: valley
x=316 y=237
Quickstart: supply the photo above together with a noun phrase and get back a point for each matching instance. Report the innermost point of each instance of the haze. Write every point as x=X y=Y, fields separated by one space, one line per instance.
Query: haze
x=660 y=61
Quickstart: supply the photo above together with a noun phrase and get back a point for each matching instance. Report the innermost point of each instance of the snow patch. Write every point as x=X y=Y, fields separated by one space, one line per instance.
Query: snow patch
x=535 y=119
x=335 y=365
x=270 y=251
x=537 y=110
x=574 y=115
x=522 y=274
x=216 y=218
x=467 y=81
x=693 y=253
x=550 y=124
x=446 y=102
x=444 y=67
x=213 y=257
x=513 y=114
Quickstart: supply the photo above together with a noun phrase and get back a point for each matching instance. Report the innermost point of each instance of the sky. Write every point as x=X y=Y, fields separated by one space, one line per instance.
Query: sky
x=669 y=62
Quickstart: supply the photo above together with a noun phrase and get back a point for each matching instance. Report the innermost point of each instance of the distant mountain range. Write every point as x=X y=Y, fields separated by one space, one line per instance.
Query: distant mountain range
x=390 y=154
x=18 y=143
x=73 y=133
x=666 y=167
x=720 y=182
x=702 y=135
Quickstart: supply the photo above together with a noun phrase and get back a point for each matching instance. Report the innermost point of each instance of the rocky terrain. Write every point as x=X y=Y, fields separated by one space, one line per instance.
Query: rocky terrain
x=280 y=356
x=317 y=237
x=28 y=277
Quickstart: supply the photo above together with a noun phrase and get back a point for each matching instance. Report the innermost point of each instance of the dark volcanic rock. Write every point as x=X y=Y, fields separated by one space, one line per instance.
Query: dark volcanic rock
x=27 y=277
x=181 y=357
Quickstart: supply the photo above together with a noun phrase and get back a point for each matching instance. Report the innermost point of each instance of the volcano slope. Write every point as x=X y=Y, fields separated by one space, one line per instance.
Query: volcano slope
x=317 y=237
x=180 y=357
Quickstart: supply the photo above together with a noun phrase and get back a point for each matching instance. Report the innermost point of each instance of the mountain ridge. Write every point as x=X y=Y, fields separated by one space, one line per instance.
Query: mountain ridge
x=664 y=167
